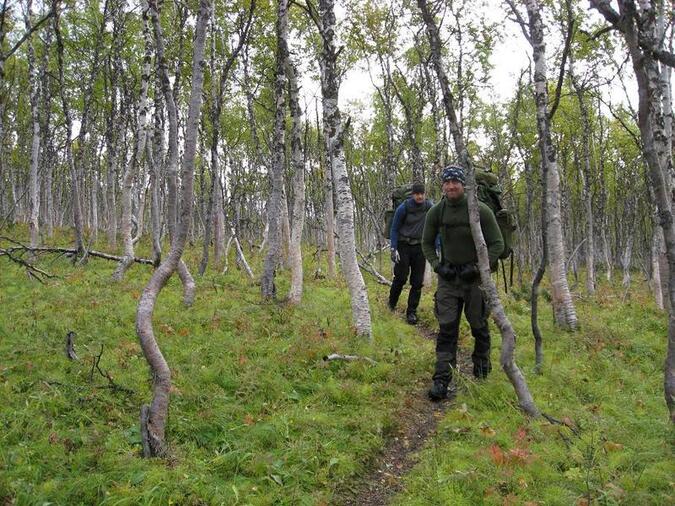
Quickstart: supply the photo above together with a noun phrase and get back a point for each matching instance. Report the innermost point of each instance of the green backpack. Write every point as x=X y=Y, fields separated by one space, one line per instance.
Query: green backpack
x=489 y=192
x=398 y=196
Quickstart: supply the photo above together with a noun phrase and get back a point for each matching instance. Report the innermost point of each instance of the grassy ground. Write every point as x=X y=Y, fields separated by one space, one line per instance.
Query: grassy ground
x=605 y=382
x=257 y=417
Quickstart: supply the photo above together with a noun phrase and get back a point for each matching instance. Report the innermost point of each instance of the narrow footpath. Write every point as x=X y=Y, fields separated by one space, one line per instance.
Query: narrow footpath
x=417 y=423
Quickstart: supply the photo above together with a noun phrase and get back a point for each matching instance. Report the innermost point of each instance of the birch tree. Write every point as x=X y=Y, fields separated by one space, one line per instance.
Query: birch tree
x=172 y=154
x=563 y=308
x=507 y=359
x=298 y=164
x=638 y=28
x=272 y=257
x=34 y=184
x=334 y=131
x=153 y=417
x=131 y=170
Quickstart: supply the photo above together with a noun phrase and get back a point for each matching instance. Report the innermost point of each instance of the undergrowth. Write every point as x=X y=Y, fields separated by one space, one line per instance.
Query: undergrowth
x=257 y=416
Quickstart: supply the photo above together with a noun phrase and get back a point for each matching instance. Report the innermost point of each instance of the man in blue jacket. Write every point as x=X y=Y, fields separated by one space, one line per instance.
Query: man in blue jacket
x=406 y=250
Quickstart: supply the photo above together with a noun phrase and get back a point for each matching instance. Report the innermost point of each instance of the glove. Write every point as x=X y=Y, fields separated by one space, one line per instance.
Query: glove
x=469 y=273
x=395 y=257
x=445 y=271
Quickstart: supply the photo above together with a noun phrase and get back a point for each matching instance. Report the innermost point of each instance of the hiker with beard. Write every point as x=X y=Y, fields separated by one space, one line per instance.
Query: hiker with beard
x=458 y=278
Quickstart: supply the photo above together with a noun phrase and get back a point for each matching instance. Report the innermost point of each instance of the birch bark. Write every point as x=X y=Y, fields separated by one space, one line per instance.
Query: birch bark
x=272 y=258
x=563 y=307
x=139 y=154
x=334 y=131
x=507 y=360
x=153 y=417
x=172 y=155
x=34 y=183
x=298 y=164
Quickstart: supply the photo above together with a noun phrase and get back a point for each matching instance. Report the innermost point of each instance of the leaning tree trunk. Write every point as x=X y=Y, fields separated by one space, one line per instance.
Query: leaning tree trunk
x=507 y=360
x=637 y=27
x=334 y=132
x=138 y=155
x=563 y=307
x=272 y=257
x=153 y=417
x=172 y=157
x=298 y=163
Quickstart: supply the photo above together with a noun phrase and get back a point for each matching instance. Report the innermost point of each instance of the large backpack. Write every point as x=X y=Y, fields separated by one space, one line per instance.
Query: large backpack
x=489 y=192
x=398 y=196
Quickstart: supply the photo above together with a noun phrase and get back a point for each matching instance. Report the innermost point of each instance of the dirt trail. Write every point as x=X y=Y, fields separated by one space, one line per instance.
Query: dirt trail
x=417 y=423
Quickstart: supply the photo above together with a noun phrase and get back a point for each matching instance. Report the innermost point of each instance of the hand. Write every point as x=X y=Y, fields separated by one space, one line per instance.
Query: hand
x=395 y=257
x=445 y=271
x=469 y=273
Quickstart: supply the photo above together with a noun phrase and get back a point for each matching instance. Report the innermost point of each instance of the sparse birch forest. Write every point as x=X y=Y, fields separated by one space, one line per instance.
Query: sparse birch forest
x=195 y=262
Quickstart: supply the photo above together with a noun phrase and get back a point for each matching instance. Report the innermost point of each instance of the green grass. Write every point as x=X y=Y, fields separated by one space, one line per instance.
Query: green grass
x=256 y=416
x=605 y=381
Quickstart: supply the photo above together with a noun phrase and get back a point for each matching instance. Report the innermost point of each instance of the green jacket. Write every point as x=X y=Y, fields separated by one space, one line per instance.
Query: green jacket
x=457 y=245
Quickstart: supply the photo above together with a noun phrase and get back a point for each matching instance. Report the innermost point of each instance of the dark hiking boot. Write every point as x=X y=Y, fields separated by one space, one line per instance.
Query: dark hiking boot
x=411 y=318
x=438 y=391
x=481 y=370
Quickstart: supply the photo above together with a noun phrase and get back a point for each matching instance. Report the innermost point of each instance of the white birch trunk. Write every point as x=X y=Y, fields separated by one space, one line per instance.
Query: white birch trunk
x=34 y=183
x=298 y=164
x=139 y=154
x=274 y=205
x=563 y=307
x=172 y=156
x=334 y=132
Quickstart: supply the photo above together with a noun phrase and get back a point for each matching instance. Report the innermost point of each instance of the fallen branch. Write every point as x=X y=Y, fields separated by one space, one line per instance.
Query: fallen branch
x=347 y=358
x=366 y=266
x=68 y=251
x=371 y=270
x=31 y=270
x=111 y=383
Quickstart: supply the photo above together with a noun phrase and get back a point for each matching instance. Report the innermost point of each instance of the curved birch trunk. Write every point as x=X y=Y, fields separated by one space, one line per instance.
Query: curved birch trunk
x=507 y=360
x=153 y=417
x=334 y=132
x=274 y=205
x=563 y=307
x=172 y=156
x=139 y=152
x=298 y=164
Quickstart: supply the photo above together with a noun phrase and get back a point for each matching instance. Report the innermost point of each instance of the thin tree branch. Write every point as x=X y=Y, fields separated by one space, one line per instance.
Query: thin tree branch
x=563 y=63
x=35 y=27
x=520 y=20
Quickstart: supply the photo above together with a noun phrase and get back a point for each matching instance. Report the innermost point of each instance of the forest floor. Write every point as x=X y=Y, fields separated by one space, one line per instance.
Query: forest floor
x=257 y=416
